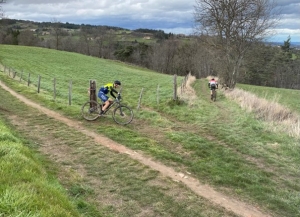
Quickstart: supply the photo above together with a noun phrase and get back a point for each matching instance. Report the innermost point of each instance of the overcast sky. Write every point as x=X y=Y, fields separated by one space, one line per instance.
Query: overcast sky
x=174 y=16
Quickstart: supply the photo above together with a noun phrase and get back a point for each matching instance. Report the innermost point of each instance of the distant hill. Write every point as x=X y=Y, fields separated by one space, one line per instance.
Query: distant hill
x=293 y=44
x=22 y=25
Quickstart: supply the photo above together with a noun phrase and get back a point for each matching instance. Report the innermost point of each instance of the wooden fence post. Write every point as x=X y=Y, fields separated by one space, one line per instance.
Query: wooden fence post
x=140 y=99
x=181 y=87
x=183 y=84
x=175 y=87
x=21 y=75
x=70 y=93
x=14 y=73
x=28 y=82
x=39 y=84
x=54 y=89
x=157 y=94
x=92 y=90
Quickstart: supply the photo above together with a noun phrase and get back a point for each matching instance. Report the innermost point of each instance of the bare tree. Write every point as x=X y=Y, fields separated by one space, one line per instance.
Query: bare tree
x=162 y=55
x=27 y=38
x=1 y=9
x=84 y=42
x=110 y=41
x=99 y=36
x=233 y=25
x=57 y=32
x=69 y=44
x=2 y=34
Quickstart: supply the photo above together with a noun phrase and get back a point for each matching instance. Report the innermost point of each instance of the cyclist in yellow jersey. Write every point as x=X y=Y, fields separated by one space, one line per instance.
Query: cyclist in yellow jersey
x=104 y=90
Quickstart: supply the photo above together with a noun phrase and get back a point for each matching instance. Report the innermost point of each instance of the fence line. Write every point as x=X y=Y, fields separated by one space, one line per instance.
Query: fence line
x=38 y=83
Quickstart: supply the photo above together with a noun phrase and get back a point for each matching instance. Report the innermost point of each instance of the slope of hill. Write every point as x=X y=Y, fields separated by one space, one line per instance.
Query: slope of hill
x=214 y=143
x=42 y=29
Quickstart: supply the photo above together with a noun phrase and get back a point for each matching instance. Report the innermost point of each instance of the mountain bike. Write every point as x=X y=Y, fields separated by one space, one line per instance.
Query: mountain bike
x=214 y=95
x=121 y=114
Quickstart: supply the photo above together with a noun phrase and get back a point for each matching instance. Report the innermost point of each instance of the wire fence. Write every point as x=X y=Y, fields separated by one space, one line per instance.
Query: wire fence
x=62 y=90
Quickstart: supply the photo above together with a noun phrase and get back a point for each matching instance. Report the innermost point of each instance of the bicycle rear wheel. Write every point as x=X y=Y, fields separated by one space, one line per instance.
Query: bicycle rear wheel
x=122 y=115
x=215 y=95
x=90 y=110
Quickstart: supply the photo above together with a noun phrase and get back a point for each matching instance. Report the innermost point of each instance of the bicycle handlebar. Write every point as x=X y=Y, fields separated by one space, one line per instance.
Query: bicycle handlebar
x=118 y=98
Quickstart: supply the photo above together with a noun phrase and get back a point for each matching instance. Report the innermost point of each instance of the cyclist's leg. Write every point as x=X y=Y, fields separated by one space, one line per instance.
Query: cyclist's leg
x=107 y=103
x=104 y=100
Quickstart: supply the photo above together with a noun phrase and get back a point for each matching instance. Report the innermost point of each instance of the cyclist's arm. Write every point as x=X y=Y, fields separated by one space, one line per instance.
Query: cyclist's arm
x=112 y=91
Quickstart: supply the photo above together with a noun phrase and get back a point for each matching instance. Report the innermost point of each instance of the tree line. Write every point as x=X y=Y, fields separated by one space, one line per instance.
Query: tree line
x=222 y=55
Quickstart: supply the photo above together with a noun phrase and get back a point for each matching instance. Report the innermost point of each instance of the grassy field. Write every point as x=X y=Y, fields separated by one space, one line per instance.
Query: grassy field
x=26 y=187
x=218 y=143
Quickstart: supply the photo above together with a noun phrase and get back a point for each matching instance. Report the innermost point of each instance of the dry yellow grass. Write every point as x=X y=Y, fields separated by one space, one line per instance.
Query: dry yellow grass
x=185 y=91
x=279 y=117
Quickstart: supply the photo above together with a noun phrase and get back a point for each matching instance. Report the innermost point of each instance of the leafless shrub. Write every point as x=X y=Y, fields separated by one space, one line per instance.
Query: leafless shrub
x=187 y=93
x=280 y=117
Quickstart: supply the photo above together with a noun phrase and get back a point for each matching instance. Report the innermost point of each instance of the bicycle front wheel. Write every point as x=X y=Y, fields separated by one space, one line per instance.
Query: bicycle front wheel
x=122 y=115
x=90 y=110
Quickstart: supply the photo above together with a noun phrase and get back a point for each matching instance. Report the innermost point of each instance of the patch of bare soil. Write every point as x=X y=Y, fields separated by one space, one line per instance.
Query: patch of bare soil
x=205 y=191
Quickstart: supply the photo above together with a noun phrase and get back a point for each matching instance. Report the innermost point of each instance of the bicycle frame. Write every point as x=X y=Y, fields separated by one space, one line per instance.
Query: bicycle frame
x=122 y=114
x=116 y=101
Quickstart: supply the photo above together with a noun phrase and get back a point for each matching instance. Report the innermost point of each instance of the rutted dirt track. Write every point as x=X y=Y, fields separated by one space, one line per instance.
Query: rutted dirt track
x=204 y=191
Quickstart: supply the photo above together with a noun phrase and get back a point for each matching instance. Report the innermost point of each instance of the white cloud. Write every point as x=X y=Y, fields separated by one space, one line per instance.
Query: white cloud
x=171 y=16
x=283 y=34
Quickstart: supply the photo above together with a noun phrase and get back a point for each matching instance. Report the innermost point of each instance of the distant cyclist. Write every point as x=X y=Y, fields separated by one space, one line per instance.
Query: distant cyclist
x=104 y=90
x=212 y=84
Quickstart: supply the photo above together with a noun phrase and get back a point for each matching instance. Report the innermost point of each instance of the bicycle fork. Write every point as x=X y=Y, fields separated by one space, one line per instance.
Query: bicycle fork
x=119 y=109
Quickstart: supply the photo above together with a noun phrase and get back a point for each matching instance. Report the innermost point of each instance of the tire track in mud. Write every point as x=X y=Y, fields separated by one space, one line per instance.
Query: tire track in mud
x=205 y=191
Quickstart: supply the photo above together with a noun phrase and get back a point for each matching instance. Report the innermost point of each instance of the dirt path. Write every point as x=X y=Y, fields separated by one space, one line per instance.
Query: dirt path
x=204 y=191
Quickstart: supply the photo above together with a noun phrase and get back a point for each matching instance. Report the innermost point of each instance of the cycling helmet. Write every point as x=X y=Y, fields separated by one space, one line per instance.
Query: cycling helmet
x=117 y=82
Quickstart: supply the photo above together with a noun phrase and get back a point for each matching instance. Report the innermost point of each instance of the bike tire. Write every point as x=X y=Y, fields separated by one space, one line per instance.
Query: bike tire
x=215 y=96
x=122 y=115
x=90 y=110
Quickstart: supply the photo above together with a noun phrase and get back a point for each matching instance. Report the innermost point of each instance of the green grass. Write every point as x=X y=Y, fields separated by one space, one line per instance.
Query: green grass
x=26 y=188
x=219 y=143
